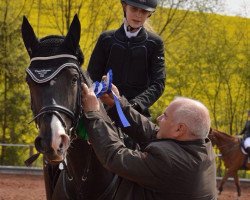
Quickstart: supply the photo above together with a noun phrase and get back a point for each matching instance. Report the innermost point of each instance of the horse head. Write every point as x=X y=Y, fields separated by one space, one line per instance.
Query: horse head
x=212 y=136
x=54 y=77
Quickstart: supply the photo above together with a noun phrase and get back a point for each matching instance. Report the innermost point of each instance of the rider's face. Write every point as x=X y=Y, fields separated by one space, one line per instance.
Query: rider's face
x=136 y=16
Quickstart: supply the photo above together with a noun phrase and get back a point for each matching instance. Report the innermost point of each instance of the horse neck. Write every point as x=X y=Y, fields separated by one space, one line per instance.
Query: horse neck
x=224 y=142
x=80 y=157
x=89 y=174
x=83 y=165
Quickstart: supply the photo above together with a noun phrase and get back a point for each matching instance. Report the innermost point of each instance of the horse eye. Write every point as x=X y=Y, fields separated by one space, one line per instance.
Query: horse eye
x=74 y=80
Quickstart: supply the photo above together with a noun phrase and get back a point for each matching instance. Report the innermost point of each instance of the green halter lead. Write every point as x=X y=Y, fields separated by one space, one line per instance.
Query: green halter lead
x=101 y=88
x=81 y=130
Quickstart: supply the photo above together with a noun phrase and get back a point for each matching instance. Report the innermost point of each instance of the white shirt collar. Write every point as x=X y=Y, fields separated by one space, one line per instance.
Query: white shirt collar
x=129 y=34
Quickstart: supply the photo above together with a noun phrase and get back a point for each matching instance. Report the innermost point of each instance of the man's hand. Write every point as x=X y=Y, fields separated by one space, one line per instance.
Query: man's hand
x=89 y=99
x=108 y=99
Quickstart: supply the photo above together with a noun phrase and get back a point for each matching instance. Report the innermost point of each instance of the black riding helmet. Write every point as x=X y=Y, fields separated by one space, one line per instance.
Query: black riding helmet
x=149 y=5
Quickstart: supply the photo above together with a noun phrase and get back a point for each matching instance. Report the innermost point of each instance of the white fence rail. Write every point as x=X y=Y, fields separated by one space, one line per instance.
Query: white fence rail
x=21 y=170
x=16 y=154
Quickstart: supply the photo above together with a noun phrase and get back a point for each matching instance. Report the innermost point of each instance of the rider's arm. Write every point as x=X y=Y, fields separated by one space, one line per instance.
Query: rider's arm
x=243 y=131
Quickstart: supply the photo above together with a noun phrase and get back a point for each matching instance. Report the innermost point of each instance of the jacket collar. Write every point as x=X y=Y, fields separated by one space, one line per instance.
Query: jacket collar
x=191 y=142
x=121 y=35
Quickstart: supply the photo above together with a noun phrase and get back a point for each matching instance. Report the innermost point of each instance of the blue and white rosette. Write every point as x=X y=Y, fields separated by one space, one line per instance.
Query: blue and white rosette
x=103 y=87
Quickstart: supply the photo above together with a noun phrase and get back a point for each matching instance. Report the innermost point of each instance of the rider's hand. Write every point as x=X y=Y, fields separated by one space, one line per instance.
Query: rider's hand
x=89 y=99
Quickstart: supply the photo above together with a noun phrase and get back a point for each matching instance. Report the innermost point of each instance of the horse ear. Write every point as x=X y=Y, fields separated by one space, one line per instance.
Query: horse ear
x=29 y=37
x=73 y=37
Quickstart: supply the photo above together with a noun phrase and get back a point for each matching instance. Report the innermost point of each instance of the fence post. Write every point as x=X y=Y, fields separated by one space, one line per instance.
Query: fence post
x=31 y=151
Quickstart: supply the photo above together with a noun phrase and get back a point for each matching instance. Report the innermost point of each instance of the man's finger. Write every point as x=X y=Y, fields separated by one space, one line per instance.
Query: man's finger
x=115 y=90
x=104 y=78
x=85 y=88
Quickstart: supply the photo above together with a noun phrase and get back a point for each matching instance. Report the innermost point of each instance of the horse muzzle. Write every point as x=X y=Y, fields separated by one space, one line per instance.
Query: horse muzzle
x=53 y=151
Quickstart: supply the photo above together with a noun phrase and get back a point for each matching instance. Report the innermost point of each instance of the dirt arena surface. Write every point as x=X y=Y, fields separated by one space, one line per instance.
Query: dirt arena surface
x=22 y=187
x=31 y=187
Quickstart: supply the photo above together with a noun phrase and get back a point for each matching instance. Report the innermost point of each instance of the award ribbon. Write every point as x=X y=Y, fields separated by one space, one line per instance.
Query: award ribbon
x=105 y=86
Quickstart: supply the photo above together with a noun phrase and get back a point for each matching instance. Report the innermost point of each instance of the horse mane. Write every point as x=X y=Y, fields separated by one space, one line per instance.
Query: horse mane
x=224 y=135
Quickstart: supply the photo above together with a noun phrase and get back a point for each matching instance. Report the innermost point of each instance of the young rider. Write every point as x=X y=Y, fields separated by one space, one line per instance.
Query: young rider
x=135 y=55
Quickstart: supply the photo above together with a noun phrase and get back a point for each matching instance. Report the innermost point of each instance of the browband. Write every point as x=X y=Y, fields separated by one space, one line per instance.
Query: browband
x=44 y=75
x=54 y=57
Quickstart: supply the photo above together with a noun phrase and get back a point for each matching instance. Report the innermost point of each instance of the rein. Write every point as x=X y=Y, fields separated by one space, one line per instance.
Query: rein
x=68 y=176
x=66 y=172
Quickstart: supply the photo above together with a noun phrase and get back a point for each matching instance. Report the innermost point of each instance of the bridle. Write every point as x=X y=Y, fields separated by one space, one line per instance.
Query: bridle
x=57 y=110
x=54 y=108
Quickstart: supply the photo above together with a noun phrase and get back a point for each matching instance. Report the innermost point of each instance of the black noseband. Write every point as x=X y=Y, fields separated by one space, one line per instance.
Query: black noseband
x=56 y=110
x=43 y=75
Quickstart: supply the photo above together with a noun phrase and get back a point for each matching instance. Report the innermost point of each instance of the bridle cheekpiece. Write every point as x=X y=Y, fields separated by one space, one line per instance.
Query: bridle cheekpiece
x=40 y=71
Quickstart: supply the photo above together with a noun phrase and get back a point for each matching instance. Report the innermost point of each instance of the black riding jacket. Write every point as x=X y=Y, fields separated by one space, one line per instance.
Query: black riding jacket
x=137 y=64
x=246 y=130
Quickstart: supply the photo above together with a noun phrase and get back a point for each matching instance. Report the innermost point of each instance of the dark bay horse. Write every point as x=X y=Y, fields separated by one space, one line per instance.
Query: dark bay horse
x=234 y=159
x=54 y=78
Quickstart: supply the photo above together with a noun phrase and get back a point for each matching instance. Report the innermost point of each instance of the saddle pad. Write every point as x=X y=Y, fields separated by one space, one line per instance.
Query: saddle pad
x=243 y=151
x=43 y=69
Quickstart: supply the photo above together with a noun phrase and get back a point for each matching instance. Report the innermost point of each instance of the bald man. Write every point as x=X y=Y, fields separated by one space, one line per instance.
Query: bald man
x=176 y=159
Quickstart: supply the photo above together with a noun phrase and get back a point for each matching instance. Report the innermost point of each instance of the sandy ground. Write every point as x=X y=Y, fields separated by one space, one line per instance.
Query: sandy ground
x=31 y=187
x=22 y=187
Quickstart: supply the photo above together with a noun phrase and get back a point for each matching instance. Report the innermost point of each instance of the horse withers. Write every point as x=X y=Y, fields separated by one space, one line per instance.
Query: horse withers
x=54 y=78
x=231 y=153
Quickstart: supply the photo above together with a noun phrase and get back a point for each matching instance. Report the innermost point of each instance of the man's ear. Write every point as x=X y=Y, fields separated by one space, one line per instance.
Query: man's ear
x=181 y=129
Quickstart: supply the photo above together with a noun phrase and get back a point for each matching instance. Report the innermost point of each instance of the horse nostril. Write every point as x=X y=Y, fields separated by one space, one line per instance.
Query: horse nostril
x=60 y=151
x=38 y=145
x=64 y=141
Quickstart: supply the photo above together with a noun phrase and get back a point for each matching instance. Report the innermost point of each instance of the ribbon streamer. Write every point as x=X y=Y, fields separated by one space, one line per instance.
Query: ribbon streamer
x=103 y=87
x=122 y=117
